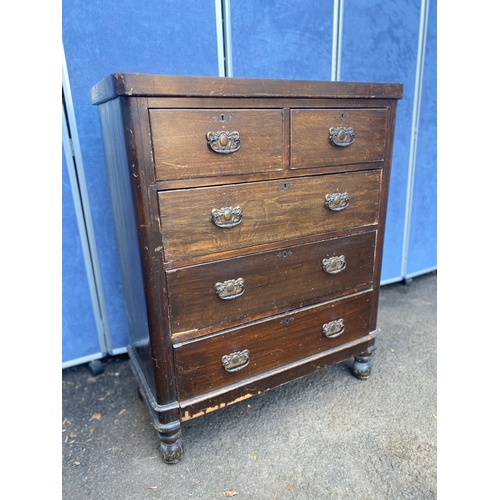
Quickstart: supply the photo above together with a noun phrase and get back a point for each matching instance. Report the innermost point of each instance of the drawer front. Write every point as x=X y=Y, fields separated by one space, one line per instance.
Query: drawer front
x=271 y=211
x=247 y=288
x=240 y=141
x=260 y=347
x=330 y=137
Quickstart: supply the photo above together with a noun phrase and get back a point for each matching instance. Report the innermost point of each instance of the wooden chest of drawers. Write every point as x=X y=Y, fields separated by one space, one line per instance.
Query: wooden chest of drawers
x=250 y=221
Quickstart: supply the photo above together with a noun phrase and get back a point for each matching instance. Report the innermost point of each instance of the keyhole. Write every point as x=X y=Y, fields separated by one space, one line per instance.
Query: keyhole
x=222 y=117
x=285 y=185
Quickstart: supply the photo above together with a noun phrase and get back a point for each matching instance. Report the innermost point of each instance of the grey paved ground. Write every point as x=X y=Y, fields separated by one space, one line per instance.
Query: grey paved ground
x=325 y=436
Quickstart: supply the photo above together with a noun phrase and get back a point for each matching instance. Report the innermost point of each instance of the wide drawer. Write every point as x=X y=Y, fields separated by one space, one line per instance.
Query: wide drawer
x=191 y=143
x=267 y=212
x=227 y=358
x=247 y=288
x=329 y=137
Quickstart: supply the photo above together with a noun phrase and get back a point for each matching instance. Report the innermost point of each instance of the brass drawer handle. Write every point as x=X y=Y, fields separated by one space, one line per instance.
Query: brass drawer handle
x=334 y=264
x=227 y=216
x=342 y=136
x=223 y=142
x=337 y=201
x=230 y=289
x=236 y=361
x=333 y=329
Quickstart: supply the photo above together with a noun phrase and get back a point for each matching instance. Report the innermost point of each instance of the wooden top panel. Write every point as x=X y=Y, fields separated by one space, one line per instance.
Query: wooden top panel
x=144 y=85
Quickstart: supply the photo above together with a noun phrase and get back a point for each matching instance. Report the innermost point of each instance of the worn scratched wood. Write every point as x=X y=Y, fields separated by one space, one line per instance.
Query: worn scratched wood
x=199 y=405
x=165 y=181
x=311 y=146
x=199 y=366
x=271 y=211
x=133 y=84
x=181 y=150
x=273 y=282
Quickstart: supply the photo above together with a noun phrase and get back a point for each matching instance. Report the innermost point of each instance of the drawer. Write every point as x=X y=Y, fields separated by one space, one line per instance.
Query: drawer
x=269 y=211
x=359 y=133
x=255 y=349
x=242 y=141
x=248 y=288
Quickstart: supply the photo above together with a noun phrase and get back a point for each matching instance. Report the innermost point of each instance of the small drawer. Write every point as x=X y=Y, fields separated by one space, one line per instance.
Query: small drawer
x=190 y=143
x=331 y=137
x=207 y=221
x=204 y=297
x=227 y=358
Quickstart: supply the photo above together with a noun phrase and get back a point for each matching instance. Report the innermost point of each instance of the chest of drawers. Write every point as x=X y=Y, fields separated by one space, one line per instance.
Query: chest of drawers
x=250 y=221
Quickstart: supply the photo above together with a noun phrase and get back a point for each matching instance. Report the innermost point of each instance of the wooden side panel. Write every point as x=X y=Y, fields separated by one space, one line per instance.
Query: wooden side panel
x=272 y=282
x=117 y=164
x=271 y=211
x=271 y=344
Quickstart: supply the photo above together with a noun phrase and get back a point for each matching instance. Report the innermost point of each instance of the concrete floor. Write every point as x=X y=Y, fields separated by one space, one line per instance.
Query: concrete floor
x=325 y=436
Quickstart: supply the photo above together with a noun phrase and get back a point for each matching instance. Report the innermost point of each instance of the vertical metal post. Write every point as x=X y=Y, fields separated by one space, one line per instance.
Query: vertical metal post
x=419 y=74
x=338 y=15
x=71 y=145
x=224 y=45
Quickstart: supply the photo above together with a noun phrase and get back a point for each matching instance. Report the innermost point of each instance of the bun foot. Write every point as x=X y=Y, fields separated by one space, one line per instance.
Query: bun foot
x=171 y=452
x=171 y=444
x=362 y=366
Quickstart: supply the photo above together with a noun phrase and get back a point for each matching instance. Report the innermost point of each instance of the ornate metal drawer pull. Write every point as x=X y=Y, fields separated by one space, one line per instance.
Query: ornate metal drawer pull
x=337 y=201
x=342 y=136
x=333 y=329
x=227 y=216
x=223 y=142
x=230 y=289
x=236 y=361
x=334 y=264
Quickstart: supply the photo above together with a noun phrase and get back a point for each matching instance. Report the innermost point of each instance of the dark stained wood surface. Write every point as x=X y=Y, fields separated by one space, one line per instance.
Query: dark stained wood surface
x=123 y=204
x=134 y=84
x=272 y=344
x=165 y=181
x=199 y=405
x=181 y=150
x=311 y=145
x=272 y=211
x=273 y=282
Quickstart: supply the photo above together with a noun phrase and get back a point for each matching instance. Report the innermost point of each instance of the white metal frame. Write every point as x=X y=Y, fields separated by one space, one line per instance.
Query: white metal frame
x=338 y=16
x=224 y=43
x=417 y=98
x=74 y=162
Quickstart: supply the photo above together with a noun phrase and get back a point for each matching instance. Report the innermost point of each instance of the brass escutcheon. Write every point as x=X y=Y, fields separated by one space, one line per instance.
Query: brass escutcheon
x=230 y=289
x=333 y=329
x=236 y=360
x=337 y=201
x=227 y=216
x=342 y=136
x=223 y=142
x=334 y=264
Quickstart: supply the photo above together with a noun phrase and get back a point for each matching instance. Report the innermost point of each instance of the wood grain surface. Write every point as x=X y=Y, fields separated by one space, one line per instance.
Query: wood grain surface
x=271 y=344
x=272 y=211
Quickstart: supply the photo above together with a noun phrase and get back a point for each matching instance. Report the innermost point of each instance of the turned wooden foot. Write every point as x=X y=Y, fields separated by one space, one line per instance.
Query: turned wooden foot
x=171 y=444
x=362 y=365
x=169 y=432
